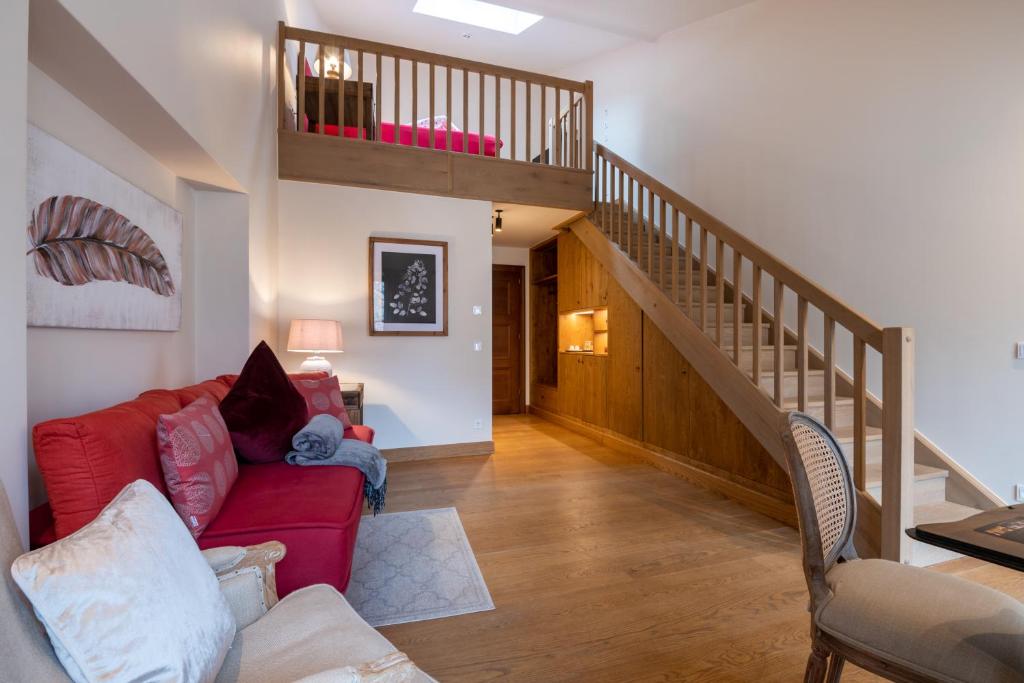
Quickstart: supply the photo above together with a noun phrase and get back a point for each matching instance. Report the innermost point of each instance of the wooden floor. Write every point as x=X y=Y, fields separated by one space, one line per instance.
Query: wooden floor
x=606 y=569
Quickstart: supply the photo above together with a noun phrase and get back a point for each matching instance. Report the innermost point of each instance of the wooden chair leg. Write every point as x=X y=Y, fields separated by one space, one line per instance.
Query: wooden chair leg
x=835 y=668
x=817 y=664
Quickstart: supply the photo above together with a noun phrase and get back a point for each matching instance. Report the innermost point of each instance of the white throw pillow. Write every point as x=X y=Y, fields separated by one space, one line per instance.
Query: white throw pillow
x=440 y=123
x=129 y=597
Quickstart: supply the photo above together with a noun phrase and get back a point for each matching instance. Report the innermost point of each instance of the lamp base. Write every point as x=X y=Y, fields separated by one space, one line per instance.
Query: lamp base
x=317 y=364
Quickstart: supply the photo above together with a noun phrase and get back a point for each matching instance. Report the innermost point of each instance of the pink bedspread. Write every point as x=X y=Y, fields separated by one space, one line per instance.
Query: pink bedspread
x=405 y=137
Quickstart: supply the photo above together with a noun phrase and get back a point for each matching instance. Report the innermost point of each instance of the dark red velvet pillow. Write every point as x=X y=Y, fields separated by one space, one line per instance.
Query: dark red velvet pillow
x=263 y=410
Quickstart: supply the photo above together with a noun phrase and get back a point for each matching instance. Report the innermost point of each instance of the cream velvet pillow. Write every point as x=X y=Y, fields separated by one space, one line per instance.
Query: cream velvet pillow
x=129 y=597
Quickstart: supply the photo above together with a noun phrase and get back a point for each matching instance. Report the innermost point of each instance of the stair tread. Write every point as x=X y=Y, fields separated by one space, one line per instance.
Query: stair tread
x=844 y=435
x=945 y=511
x=873 y=473
x=750 y=347
x=793 y=403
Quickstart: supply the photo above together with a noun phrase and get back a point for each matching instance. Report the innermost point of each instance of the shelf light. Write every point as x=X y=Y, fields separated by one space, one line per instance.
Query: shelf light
x=589 y=311
x=477 y=13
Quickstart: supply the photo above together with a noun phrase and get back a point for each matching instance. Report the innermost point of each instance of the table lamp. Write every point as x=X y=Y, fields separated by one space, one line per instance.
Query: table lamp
x=316 y=337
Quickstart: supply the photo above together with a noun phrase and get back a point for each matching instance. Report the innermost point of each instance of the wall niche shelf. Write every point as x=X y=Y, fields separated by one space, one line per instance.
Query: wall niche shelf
x=578 y=330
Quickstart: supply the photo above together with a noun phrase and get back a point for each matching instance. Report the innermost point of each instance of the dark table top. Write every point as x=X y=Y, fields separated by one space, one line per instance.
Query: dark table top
x=996 y=536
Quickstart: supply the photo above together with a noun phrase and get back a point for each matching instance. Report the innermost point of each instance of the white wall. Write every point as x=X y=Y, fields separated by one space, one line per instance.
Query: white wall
x=878 y=147
x=212 y=66
x=13 y=464
x=222 y=282
x=419 y=390
x=519 y=256
x=71 y=371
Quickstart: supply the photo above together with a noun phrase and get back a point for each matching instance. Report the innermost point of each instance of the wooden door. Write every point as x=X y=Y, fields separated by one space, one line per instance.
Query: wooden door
x=507 y=355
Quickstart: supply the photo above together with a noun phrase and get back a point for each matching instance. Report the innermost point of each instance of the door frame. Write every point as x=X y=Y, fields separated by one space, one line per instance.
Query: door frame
x=521 y=270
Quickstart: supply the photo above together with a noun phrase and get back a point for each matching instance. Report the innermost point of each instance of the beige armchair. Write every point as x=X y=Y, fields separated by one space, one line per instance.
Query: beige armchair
x=312 y=635
x=901 y=622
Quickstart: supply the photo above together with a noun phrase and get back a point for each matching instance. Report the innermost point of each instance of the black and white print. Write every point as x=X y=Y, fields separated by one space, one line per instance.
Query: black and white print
x=409 y=287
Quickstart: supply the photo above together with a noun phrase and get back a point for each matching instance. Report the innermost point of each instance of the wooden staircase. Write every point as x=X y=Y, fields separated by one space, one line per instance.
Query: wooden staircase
x=715 y=295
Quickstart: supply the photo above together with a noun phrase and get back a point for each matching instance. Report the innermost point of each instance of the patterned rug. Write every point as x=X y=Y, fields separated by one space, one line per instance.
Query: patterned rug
x=411 y=566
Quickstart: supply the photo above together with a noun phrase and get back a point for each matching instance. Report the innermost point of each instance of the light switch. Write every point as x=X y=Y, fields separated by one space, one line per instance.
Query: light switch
x=478 y=346
x=478 y=310
x=1019 y=351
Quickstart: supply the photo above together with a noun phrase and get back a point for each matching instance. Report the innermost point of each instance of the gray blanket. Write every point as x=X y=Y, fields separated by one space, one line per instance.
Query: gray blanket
x=322 y=442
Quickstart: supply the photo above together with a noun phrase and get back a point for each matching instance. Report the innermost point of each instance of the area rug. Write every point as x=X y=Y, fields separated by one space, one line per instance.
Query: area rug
x=411 y=566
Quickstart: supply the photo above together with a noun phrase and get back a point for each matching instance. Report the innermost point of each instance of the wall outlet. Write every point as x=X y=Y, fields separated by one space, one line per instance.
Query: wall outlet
x=478 y=424
x=1018 y=493
x=478 y=310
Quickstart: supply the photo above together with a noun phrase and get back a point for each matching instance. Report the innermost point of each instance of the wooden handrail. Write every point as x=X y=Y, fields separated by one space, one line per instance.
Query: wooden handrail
x=857 y=323
x=641 y=233
x=410 y=54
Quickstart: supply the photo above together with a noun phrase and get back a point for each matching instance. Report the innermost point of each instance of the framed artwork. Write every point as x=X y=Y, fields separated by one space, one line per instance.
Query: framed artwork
x=408 y=287
x=101 y=253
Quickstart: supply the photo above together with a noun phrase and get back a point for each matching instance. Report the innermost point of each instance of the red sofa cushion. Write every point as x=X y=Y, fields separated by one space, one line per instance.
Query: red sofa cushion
x=198 y=462
x=85 y=461
x=263 y=410
x=314 y=511
x=323 y=397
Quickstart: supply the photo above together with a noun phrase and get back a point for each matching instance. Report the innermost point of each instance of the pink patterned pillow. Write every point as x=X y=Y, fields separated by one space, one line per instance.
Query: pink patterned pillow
x=323 y=396
x=198 y=461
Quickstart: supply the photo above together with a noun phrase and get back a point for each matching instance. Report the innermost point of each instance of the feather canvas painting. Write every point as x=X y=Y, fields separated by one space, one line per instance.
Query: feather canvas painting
x=101 y=253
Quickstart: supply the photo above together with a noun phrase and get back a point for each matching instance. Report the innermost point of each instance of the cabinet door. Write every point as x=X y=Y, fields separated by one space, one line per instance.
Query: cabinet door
x=625 y=364
x=571 y=385
x=594 y=282
x=594 y=399
x=568 y=272
x=667 y=409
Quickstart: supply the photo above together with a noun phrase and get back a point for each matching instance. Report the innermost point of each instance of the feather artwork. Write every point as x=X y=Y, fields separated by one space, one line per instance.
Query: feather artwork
x=76 y=240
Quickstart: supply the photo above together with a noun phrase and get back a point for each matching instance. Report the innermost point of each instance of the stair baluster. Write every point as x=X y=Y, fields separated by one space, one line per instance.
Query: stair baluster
x=633 y=215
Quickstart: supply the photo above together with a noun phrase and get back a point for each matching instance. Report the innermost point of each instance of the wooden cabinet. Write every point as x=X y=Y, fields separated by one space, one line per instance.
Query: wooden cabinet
x=595 y=377
x=352 y=397
x=581 y=382
x=543 y=318
x=583 y=283
x=570 y=385
x=569 y=292
x=625 y=406
x=666 y=387
x=545 y=396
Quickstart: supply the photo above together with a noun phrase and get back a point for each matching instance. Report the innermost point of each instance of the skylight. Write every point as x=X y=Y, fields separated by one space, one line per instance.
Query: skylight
x=482 y=14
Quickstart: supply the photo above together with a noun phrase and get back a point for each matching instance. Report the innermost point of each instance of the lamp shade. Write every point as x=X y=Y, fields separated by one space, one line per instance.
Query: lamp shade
x=315 y=336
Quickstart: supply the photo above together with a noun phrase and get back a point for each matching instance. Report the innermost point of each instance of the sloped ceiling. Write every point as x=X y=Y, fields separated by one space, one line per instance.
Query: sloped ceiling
x=571 y=31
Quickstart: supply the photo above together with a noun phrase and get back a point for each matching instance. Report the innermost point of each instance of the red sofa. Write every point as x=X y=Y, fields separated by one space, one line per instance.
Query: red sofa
x=86 y=460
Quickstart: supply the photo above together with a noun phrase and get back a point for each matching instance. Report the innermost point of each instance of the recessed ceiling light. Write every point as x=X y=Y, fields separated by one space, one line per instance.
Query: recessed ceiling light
x=477 y=13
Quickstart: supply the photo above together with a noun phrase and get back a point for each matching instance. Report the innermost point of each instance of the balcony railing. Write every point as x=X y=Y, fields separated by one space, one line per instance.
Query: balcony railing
x=369 y=96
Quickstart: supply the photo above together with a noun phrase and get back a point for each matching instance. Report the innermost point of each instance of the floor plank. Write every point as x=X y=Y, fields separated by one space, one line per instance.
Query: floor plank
x=603 y=568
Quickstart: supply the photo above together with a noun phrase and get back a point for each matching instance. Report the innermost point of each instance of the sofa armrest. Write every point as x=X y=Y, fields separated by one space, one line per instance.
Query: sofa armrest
x=391 y=668
x=247 y=578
